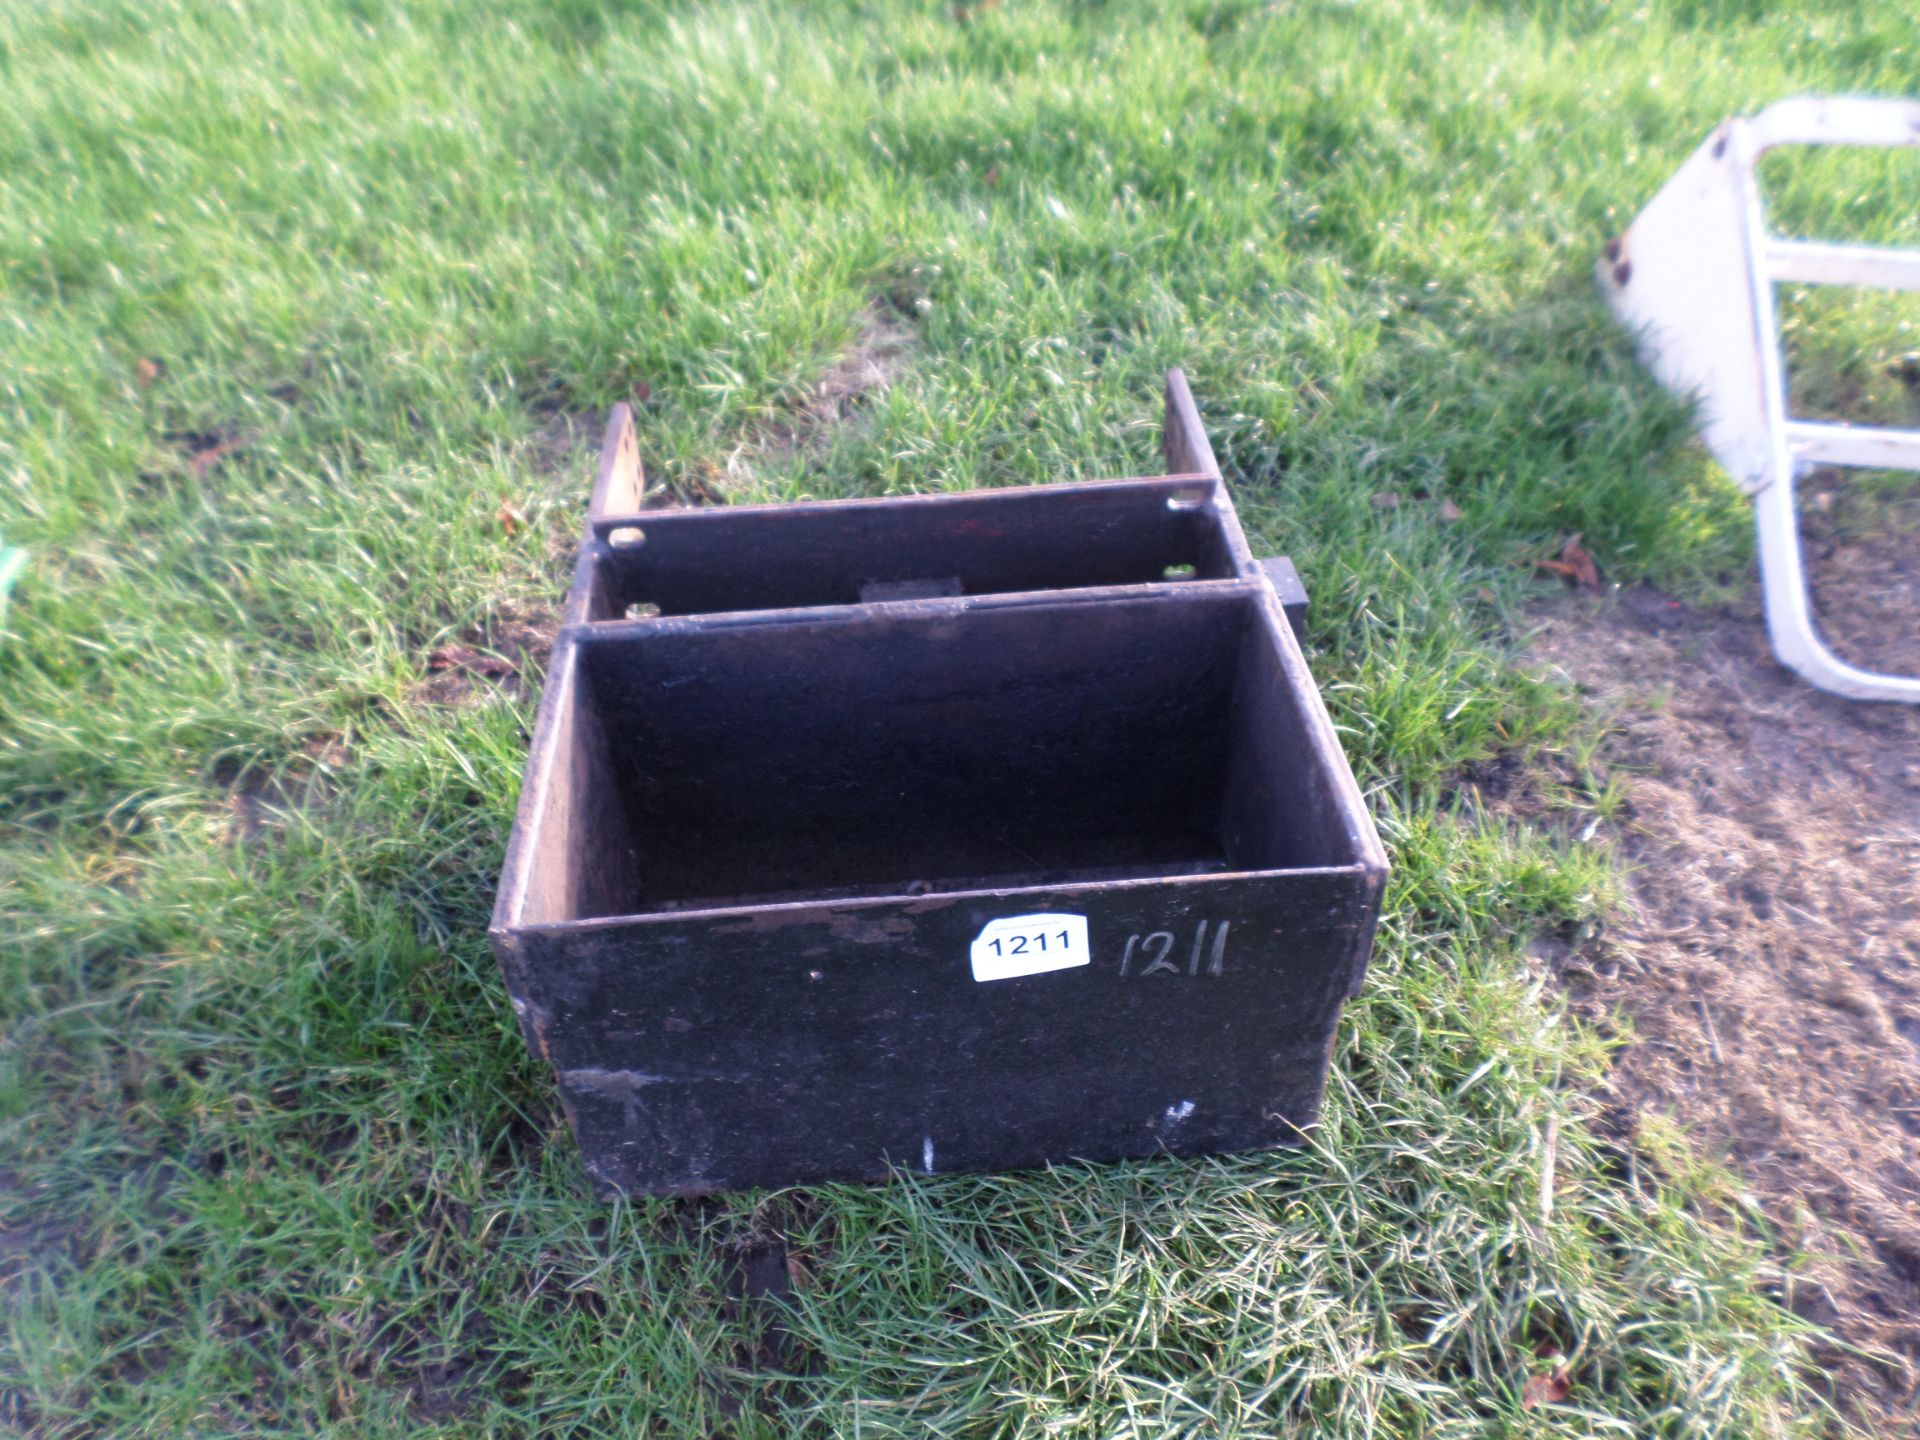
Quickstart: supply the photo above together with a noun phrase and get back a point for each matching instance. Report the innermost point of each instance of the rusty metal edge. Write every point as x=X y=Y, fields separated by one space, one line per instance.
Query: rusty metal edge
x=1362 y=833
x=599 y=524
x=1186 y=444
x=917 y=904
x=1183 y=439
x=621 y=484
x=863 y=611
x=542 y=749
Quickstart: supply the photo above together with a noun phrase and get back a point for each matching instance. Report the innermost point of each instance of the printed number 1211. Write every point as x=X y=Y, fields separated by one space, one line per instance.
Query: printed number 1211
x=1018 y=944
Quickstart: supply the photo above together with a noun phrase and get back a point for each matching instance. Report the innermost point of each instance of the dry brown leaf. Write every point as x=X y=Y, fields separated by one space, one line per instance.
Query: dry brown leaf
x=798 y=1274
x=465 y=657
x=1586 y=573
x=1552 y=1388
x=705 y=487
x=329 y=751
x=511 y=515
x=1573 y=565
x=1451 y=512
x=201 y=462
x=145 y=371
x=1385 y=500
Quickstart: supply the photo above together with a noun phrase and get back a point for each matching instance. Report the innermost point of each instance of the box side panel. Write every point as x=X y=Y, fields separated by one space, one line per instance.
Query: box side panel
x=838 y=553
x=587 y=597
x=803 y=1045
x=523 y=841
x=526 y=869
x=1289 y=787
x=572 y=842
x=620 y=486
x=1321 y=753
x=1282 y=807
x=1183 y=439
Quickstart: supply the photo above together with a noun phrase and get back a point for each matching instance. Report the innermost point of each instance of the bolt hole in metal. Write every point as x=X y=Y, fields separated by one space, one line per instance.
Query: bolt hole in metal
x=1193 y=499
x=1179 y=572
x=626 y=537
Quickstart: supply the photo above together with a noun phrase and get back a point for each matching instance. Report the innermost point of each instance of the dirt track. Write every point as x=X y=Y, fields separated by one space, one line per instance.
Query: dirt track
x=1770 y=977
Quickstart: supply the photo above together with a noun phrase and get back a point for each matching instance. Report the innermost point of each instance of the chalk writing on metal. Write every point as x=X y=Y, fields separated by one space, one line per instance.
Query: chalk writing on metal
x=1159 y=953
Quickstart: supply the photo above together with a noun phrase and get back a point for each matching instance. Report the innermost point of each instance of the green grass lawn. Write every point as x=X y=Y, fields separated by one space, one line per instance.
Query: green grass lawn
x=272 y=1157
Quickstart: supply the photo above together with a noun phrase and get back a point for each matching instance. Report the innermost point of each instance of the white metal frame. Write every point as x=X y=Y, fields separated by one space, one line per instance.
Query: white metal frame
x=1694 y=275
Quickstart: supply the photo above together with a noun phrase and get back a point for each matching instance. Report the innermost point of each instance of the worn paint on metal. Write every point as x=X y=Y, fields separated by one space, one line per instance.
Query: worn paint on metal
x=766 y=819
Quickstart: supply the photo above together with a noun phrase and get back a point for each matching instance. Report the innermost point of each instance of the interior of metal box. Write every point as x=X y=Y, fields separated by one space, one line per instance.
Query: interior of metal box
x=926 y=748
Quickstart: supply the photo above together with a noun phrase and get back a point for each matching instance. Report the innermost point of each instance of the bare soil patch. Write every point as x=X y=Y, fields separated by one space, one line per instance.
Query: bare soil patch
x=504 y=656
x=29 y=1253
x=561 y=449
x=854 y=377
x=1863 y=553
x=861 y=372
x=865 y=368
x=1769 y=978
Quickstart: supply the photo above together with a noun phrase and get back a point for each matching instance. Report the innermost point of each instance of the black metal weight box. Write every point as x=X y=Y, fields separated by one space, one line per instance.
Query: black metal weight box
x=947 y=832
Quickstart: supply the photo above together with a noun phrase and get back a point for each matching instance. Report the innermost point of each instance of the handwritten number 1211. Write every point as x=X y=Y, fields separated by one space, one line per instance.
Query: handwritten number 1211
x=1157 y=954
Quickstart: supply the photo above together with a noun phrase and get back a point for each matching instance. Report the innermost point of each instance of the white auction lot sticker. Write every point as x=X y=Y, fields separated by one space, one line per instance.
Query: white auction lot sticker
x=1030 y=945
